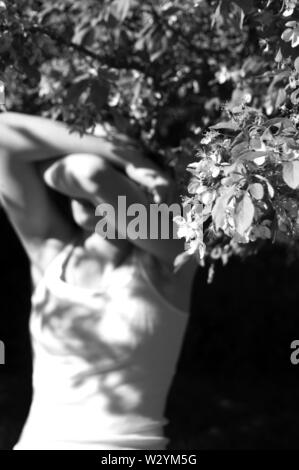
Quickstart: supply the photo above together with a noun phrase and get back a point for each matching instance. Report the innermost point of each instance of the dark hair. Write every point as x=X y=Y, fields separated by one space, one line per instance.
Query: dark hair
x=62 y=203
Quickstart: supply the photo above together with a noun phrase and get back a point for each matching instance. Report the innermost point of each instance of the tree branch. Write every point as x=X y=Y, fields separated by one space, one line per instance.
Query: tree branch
x=110 y=60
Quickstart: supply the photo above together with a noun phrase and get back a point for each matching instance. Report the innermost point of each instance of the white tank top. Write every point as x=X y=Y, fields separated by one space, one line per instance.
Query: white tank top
x=103 y=361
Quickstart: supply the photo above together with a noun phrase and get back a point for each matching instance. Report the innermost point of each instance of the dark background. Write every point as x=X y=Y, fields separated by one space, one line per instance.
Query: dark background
x=235 y=387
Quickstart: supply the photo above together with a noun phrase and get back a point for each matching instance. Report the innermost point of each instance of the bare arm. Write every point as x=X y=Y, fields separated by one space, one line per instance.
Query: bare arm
x=35 y=138
x=90 y=177
x=31 y=210
x=54 y=138
x=26 y=140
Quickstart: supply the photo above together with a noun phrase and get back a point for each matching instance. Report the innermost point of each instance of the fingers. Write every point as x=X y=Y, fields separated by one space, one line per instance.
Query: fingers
x=137 y=166
x=146 y=176
x=151 y=178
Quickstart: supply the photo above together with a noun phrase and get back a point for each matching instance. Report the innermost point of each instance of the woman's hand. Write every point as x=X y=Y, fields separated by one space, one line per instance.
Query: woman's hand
x=135 y=164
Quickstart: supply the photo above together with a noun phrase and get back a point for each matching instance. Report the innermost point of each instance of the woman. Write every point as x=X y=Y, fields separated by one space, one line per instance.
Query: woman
x=108 y=316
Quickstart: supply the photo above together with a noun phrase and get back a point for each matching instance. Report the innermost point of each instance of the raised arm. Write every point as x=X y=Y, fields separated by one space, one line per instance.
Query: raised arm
x=89 y=177
x=28 y=203
x=26 y=140
x=40 y=138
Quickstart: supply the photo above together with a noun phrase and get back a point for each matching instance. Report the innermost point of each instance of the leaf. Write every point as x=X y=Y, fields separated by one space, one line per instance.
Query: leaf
x=217 y=18
x=99 y=92
x=194 y=185
x=281 y=76
x=256 y=190
x=295 y=38
x=207 y=197
x=244 y=214
x=288 y=12
x=294 y=96
x=51 y=16
x=257 y=156
x=281 y=98
x=238 y=150
x=84 y=36
x=291 y=24
x=122 y=8
x=270 y=189
x=296 y=64
x=75 y=91
x=278 y=57
x=231 y=180
x=156 y=55
x=180 y=260
x=230 y=126
x=242 y=17
x=290 y=174
x=219 y=209
x=279 y=123
x=3 y=7
x=287 y=34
